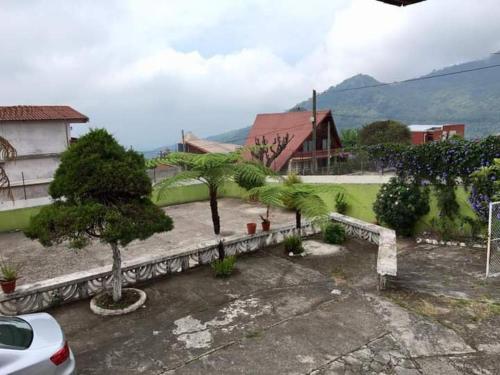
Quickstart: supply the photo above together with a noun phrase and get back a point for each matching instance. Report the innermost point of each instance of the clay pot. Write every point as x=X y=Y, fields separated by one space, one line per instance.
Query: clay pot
x=266 y=226
x=8 y=286
x=251 y=228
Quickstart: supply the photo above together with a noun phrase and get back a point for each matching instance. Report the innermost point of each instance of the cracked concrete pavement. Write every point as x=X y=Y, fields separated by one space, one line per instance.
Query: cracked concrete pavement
x=318 y=314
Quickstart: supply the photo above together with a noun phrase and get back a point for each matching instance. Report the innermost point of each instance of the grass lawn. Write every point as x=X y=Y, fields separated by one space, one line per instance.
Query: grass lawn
x=359 y=196
x=16 y=219
x=194 y=193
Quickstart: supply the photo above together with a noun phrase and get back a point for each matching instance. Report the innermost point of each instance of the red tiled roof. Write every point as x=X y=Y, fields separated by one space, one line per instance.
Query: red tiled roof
x=41 y=113
x=297 y=124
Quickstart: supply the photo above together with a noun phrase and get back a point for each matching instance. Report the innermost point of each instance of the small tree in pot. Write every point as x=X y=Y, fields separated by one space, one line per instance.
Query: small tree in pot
x=100 y=191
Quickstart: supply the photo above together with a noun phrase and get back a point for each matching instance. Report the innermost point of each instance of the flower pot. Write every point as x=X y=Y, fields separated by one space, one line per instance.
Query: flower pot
x=8 y=286
x=251 y=228
x=266 y=226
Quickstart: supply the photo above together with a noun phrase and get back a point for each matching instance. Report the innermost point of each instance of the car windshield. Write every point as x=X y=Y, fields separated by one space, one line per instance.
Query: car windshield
x=15 y=333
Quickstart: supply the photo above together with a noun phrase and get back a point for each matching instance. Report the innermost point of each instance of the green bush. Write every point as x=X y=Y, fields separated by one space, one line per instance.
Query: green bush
x=400 y=205
x=224 y=268
x=341 y=204
x=293 y=244
x=334 y=233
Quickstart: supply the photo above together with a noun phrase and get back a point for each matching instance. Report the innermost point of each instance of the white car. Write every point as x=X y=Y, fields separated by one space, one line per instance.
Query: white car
x=34 y=344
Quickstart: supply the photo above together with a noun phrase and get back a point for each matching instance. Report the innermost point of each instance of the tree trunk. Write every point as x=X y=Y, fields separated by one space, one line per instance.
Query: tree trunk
x=298 y=223
x=216 y=221
x=117 y=272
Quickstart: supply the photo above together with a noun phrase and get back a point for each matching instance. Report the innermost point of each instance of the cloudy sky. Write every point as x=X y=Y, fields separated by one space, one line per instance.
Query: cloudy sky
x=146 y=69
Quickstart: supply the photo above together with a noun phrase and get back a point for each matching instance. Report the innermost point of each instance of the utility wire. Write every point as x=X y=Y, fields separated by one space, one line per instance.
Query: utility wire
x=335 y=114
x=418 y=79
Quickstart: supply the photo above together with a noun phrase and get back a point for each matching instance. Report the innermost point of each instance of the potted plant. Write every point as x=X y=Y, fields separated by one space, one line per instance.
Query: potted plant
x=8 y=277
x=251 y=228
x=266 y=223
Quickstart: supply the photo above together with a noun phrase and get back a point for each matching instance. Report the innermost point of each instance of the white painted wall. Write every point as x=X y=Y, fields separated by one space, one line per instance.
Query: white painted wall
x=43 y=141
x=33 y=169
x=34 y=138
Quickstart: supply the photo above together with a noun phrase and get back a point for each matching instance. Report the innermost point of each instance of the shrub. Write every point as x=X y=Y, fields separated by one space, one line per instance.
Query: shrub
x=293 y=244
x=293 y=178
x=447 y=201
x=485 y=189
x=334 y=233
x=400 y=205
x=224 y=267
x=341 y=204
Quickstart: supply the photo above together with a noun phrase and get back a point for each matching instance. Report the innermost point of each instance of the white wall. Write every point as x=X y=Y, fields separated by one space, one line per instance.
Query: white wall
x=33 y=169
x=32 y=138
x=42 y=142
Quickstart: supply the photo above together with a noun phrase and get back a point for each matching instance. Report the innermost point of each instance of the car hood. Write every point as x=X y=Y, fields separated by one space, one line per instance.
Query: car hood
x=46 y=331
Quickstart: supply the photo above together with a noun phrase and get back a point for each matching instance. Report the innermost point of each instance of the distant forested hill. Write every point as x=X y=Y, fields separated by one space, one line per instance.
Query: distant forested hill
x=472 y=98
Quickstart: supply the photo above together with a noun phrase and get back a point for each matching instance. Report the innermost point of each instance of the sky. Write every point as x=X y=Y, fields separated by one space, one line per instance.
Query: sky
x=146 y=69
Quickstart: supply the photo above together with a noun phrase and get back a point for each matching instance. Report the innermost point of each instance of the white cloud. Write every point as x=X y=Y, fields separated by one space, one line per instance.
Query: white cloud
x=146 y=69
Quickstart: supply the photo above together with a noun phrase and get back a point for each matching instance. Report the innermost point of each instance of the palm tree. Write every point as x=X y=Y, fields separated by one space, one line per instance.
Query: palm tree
x=213 y=170
x=7 y=152
x=303 y=199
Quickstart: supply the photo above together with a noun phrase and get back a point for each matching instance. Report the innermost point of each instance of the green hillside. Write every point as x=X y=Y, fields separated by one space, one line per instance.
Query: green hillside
x=472 y=98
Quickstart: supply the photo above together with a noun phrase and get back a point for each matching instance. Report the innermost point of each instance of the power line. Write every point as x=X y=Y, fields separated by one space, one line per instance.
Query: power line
x=418 y=79
x=335 y=114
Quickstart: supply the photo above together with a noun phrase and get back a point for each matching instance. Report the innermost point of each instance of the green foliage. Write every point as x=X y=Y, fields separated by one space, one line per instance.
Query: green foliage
x=293 y=244
x=8 y=271
x=293 y=178
x=334 y=233
x=485 y=189
x=453 y=228
x=349 y=138
x=443 y=164
x=380 y=132
x=214 y=170
x=400 y=205
x=224 y=267
x=447 y=201
x=101 y=191
x=341 y=204
x=249 y=176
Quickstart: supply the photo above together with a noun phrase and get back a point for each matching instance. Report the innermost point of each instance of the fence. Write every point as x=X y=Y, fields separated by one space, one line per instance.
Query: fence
x=493 y=252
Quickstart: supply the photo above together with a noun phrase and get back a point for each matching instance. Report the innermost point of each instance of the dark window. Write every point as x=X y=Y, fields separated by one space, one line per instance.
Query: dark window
x=15 y=333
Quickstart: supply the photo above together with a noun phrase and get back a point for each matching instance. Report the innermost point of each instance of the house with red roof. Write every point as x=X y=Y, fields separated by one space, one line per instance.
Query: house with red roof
x=297 y=155
x=39 y=134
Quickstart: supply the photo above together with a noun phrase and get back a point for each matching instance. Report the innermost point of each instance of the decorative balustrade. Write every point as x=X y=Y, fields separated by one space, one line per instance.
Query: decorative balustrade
x=80 y=285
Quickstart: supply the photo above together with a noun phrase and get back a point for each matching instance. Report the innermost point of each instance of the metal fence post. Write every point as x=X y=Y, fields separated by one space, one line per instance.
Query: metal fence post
x=488 y=249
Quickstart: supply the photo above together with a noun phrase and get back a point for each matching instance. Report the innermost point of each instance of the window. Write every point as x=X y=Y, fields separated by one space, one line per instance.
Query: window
x=15 y=333
x=324 y=145
x=307 y=146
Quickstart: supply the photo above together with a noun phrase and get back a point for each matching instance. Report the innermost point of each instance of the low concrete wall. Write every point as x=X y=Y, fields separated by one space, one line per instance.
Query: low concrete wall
x=47 y=293
x=387 y=262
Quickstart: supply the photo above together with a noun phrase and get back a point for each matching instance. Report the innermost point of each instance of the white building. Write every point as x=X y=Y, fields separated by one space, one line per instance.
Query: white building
x=39 y=134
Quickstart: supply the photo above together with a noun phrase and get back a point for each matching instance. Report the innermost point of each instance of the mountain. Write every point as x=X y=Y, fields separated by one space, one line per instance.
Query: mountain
x=237 y=137
x=472 y=98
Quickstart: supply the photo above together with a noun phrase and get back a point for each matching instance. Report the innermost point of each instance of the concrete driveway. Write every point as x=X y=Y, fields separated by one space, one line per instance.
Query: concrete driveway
x=281 y=315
